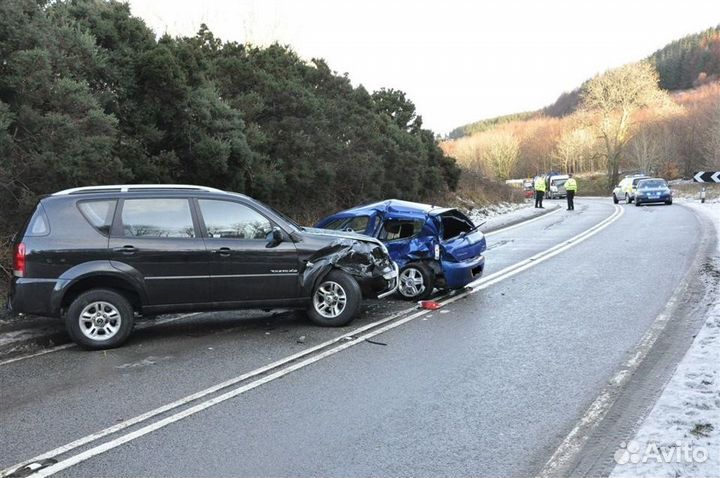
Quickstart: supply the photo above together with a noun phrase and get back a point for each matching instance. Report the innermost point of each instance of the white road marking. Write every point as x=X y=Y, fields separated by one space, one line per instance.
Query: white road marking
x=141 y=326
x=37 y=354
x=349 y=340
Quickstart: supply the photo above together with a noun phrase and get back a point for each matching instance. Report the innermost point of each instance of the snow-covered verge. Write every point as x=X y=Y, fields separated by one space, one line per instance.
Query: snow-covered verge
x=484 y=213
x=681 y=435
x=689 y=190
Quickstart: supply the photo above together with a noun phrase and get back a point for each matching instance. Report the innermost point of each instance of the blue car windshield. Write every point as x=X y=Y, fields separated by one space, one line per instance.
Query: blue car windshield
x=357 y=224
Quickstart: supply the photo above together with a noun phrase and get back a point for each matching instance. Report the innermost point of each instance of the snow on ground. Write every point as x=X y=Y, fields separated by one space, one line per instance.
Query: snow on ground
x=681 y=435
x=484 y=213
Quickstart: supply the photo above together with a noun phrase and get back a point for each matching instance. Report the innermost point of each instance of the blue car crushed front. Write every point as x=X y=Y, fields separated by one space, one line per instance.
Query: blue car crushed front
x=444 y=239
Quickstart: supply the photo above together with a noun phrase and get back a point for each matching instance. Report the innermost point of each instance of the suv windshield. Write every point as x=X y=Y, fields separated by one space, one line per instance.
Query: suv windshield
x=652 y=184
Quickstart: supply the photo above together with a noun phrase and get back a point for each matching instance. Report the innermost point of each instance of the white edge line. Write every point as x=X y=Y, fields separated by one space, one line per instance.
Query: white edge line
x=37 y=354
x=602 y=404
x=69 y=462
x=141 y=326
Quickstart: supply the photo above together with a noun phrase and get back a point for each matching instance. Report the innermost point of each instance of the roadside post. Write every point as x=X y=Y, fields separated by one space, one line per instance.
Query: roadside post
x=706 y=177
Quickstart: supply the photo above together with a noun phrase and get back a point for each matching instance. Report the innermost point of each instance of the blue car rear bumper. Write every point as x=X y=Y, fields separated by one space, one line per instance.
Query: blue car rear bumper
x=460 y=274
x=651 y=199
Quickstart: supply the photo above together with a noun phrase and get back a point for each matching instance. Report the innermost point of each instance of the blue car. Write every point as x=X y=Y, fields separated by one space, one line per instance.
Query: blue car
x=434 y=247
x=653 y=190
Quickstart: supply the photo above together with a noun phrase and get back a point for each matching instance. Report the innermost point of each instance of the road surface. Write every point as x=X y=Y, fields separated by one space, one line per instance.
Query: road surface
x=494 y=383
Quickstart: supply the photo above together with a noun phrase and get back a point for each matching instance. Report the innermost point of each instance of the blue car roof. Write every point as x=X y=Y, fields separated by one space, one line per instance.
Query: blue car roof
x=393 y=207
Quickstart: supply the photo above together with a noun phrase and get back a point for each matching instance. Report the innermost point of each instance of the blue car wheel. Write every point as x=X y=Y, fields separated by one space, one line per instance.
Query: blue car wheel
x=417 y=281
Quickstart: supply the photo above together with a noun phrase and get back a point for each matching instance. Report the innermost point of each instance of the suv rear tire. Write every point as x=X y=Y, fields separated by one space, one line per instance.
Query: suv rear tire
x=99 y=319
x=335 y=300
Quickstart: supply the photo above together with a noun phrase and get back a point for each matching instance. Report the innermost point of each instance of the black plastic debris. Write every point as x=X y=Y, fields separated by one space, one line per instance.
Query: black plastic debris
x=31 y=468
x=374 y=342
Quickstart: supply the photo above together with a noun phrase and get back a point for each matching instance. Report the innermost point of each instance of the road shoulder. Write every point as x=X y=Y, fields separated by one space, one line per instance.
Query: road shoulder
x=684 y=423
x=631 y=403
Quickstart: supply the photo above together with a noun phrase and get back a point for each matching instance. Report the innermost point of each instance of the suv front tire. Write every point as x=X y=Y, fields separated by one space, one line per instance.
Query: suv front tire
x=335 y=300
x=99 y=319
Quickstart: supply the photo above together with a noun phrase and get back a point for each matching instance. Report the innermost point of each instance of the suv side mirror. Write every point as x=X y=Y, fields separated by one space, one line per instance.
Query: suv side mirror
x=275 y=237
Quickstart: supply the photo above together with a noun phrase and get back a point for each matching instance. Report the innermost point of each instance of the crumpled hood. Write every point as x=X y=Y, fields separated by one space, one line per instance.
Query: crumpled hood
x=341 y=235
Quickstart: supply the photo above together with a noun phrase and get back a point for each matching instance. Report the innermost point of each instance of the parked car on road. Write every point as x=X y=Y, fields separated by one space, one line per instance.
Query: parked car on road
x=652 y=191
x=625 y=190
x=99 y=256
x=435 y=247
x=556 y=186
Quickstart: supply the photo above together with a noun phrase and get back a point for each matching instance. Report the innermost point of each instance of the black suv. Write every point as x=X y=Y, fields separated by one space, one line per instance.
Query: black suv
x=100 y=256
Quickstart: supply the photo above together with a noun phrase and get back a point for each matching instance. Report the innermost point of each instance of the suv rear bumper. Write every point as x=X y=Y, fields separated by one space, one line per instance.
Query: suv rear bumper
x=31 y=296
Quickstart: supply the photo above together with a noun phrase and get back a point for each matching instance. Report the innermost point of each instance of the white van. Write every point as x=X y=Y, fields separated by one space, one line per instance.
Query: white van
x=556 y=186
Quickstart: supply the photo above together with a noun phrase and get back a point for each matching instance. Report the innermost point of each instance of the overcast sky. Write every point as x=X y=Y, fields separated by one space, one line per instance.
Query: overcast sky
x=459 y=61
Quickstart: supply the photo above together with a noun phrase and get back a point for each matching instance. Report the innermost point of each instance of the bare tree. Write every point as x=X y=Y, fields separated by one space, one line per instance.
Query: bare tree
x=502 y=153
x=574 y=149
x=615 y=96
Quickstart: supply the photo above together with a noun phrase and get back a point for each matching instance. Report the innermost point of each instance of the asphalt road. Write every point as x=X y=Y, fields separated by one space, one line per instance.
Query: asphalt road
x=489 y=385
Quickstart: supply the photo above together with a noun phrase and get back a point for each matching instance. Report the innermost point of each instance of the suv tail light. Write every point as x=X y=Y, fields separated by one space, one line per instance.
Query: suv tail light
x=19 y=260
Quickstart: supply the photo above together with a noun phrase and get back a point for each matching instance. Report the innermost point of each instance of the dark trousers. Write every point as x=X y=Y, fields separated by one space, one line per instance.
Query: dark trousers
x=538 y=198
x=571 y=200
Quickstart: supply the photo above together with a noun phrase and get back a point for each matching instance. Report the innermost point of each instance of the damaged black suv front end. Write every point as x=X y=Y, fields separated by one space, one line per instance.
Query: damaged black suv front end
x=365 y=259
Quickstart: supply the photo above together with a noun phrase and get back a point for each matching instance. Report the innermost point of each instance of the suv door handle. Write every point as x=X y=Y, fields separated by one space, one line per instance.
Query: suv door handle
x=223 y=251
x=126 y=249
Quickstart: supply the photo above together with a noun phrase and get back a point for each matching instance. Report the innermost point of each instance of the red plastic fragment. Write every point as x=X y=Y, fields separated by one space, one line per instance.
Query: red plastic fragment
x=430 y=304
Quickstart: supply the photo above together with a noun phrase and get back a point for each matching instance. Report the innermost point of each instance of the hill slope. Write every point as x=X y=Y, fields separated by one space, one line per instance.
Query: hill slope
x=689 y=62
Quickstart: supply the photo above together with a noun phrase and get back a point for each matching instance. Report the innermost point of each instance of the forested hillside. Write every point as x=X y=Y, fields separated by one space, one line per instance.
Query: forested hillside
x=660 y=115
x=689 y=62
x=88 y=95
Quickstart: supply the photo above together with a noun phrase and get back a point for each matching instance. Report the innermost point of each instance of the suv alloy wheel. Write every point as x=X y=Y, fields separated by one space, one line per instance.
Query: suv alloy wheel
x=335 y=300
x=99 y=319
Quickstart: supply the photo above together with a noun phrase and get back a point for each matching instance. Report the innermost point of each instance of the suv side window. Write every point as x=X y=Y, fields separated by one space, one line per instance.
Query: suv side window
x=231 y=220
x=157 y=218
x=99 y=213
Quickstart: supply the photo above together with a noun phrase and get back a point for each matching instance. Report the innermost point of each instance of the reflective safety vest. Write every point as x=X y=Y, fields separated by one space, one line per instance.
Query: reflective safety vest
x=571 y=185
x=540 y=184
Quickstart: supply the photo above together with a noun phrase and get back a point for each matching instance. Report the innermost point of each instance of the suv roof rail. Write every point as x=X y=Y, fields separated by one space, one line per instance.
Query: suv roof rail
x=129 y=188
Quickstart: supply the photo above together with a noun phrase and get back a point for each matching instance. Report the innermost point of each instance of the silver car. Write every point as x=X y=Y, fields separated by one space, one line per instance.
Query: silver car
x=625 y=191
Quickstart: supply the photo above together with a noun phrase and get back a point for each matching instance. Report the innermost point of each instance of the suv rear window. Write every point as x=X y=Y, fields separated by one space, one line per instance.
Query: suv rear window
x=157 y=218
x=99 y=213
x=38 y=224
